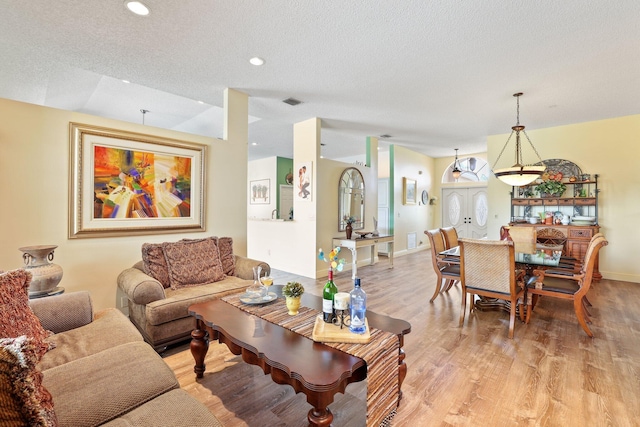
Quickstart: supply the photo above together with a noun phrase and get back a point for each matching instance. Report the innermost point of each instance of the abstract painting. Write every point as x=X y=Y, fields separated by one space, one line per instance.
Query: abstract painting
x=125 y=183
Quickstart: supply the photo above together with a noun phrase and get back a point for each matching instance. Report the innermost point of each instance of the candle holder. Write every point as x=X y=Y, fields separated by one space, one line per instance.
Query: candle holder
x=342 y=318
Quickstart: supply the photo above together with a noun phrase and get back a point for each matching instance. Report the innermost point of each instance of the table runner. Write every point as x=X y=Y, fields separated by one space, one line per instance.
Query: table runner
x=381 y=354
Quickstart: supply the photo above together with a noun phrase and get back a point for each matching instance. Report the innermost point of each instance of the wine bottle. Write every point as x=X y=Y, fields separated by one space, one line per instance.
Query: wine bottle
x=358 y=299
x=328 y=292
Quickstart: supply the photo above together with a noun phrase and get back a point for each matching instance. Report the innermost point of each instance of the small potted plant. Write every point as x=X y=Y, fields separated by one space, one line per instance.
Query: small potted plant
x=551 y=185
x=292 y=292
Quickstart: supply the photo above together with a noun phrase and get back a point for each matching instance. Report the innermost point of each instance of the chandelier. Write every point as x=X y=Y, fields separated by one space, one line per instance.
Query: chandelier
x=518 y=174
x=456 y=172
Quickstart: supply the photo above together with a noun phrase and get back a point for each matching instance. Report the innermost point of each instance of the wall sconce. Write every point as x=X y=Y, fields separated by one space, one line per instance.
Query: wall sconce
x=433 y=200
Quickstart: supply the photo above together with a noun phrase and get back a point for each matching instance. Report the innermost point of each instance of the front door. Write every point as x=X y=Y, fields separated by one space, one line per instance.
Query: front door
x=466 y=209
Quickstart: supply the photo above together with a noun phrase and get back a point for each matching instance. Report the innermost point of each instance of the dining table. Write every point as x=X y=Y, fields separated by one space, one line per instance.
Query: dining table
x=528 y=256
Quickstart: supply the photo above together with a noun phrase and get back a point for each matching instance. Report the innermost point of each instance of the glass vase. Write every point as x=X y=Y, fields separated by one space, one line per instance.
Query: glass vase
x=257 y=289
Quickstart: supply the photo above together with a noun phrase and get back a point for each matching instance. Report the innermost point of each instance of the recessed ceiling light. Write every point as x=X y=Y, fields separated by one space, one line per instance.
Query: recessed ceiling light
x=200 y=102
x=256 y=61
x=254 y=143
x=137 y=7
x=125 y=81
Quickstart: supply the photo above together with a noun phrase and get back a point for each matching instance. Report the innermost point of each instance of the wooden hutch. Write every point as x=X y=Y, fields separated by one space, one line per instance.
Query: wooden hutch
x=579 y=199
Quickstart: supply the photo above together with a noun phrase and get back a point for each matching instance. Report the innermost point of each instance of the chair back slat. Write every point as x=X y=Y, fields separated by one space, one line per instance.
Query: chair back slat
x=589 y=262
x=450 y=237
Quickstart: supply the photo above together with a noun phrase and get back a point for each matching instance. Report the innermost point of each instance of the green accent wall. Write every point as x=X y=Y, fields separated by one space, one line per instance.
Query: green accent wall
x=283 y=167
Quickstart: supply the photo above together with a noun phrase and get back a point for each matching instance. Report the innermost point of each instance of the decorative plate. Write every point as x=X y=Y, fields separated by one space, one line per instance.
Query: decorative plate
x=271 y=296
x=425 y=197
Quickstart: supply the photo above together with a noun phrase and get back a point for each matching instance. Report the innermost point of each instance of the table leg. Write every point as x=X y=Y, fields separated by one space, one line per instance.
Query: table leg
x=354 y=263
x=373 y=254
x=320 y=417
x=402 y=373
x=391 y=254
x=199 y=347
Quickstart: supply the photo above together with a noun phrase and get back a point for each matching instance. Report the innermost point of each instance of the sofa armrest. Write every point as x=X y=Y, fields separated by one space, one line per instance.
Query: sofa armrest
x=64 y=312
x=244 y=267
x=139 y=287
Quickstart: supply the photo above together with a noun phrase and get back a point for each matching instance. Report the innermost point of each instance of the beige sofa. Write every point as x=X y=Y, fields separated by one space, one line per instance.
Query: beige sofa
x=103 y=373
x=161 y=314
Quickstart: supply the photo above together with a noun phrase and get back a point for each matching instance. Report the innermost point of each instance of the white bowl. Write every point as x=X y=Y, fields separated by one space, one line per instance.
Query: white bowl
x=584 y=218
x=534 y=220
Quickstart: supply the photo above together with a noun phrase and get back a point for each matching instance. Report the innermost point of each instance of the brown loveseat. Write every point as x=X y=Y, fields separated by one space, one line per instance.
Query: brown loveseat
x=160 y=310
x=101 y=372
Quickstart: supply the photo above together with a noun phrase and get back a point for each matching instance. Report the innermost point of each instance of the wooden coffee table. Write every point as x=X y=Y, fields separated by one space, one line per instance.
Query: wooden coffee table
x=315 y=369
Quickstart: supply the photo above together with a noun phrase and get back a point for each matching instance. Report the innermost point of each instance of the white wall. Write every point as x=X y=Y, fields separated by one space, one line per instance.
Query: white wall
x=35 y=165
x=260 y=170
x=411 y=218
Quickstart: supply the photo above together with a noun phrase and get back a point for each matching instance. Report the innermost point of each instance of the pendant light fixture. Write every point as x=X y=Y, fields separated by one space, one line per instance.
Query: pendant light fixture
x=456 y=172
x=518 y=174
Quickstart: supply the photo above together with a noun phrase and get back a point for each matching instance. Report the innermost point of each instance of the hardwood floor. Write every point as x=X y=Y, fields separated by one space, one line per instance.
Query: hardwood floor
x=550 y=374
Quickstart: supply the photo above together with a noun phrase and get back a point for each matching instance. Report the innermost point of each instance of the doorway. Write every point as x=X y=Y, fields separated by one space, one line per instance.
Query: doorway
x=467 y=210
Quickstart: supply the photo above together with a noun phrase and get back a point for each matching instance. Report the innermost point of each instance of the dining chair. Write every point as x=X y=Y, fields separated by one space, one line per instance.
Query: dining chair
x=488 y=269
x=572 y=287
x=447 y=270
x=524 y=238
x=450 y=237
x=551 y=238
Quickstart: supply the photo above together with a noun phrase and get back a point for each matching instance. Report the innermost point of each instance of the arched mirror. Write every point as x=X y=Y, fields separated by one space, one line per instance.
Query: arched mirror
x=351 y=199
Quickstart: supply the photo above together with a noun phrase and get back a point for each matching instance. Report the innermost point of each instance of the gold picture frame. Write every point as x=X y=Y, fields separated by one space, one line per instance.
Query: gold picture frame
x=124 y=183
x=409 y=191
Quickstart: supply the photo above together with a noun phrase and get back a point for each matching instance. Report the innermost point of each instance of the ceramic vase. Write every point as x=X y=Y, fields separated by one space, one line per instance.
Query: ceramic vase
x=349 y=230
x=293 y=305
x=45 y=275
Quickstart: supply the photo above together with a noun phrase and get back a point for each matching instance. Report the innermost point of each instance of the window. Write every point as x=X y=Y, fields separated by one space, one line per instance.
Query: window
x=473 y=169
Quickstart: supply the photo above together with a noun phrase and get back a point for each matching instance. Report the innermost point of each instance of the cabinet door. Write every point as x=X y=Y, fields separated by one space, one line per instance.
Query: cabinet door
x=577 y=249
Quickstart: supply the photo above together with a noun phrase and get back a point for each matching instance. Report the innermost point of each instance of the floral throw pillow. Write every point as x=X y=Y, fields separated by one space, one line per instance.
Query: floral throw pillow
x=192 y=263
x=23 y=399
x=16 y=316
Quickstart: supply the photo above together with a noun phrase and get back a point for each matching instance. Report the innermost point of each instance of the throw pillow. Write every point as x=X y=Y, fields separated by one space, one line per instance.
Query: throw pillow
x=192 y=263
x=154 y=263
x=225 y=247
x=23 y=399
x=16 y=316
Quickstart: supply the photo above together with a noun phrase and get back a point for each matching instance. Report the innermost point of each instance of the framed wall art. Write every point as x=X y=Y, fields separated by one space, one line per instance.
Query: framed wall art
x=409 y=190
x=124 y=183
x=259 y=191
x=303 y=181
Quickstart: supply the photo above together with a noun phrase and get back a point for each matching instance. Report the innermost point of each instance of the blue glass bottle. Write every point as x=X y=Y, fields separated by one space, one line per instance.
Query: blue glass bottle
x=358 y=301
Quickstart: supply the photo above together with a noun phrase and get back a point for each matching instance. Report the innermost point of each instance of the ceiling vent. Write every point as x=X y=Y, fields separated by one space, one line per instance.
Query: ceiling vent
x=291 y=101
x=385 y=136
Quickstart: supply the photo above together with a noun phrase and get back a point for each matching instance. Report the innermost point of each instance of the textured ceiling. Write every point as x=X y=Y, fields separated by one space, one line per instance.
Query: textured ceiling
x=435 y=75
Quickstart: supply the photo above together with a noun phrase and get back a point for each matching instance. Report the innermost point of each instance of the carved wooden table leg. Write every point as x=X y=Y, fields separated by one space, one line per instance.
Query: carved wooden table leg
x=199 y=347
x=402 y=373
x=320 y=417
